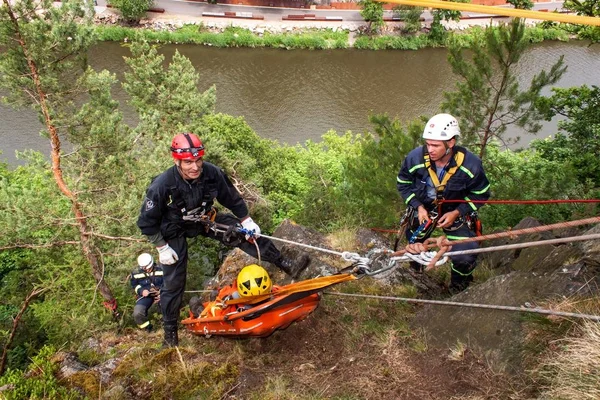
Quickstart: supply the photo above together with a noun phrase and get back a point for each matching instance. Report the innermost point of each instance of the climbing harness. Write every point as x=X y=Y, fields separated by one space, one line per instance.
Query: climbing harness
x=440 y=186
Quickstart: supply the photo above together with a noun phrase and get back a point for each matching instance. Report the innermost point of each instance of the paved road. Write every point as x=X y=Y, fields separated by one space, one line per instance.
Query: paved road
x=195 y=8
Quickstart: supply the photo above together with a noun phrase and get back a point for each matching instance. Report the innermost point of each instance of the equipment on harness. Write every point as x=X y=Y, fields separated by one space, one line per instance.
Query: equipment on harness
x=474 y=223
x=154 y=291
x=425 y=228
x=405 y=220
x=200 y=214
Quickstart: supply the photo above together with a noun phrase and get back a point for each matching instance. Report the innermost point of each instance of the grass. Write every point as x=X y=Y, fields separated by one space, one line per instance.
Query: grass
x=457 y=352
x=342 y=239
x=572 y=371
x=313 y=39
x=564 y=354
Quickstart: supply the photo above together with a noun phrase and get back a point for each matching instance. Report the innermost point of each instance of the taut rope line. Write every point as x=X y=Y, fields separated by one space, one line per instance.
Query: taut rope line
x=308 y=246
x=511 y=234
x=473 y=305
x=527 y=244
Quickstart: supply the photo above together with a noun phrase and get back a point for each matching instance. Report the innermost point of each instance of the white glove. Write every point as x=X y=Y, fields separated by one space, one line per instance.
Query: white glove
x=250 y=225
x=166 y=255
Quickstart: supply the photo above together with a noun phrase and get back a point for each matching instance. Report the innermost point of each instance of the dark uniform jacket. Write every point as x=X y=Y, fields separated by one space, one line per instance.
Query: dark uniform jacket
x=468 y=182
x=141 y=280
x=169 y=197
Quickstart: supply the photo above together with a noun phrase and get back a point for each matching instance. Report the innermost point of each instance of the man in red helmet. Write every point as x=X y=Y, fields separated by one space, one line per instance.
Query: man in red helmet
x=175 y=202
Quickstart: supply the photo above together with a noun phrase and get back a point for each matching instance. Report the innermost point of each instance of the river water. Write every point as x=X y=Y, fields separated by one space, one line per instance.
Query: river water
x=293 y=96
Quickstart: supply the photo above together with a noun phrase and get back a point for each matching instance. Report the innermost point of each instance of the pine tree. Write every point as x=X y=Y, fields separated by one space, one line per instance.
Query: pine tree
x=488 y=97
x=43 y=66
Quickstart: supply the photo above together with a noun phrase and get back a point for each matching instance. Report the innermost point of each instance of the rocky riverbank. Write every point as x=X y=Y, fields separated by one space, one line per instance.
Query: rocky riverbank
x=172 y=22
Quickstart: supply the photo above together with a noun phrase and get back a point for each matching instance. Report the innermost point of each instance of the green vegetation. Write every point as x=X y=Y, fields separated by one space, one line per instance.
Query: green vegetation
x=318 y=39
x=372 y=13
x=231 y=37
x=132 y=10
x=37 y=381
x=488 y=96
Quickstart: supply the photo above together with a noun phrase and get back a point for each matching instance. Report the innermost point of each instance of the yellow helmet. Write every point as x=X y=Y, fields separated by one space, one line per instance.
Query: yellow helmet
x=253 y=280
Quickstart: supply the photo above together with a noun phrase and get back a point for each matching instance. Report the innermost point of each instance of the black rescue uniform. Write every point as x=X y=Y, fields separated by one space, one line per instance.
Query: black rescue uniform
x=468 y=183
x=168 y=199
x=141 y=280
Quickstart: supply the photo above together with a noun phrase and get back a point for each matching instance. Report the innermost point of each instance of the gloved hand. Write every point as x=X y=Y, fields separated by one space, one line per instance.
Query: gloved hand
x=166 y=255
x=250 y=225
x=232 y=237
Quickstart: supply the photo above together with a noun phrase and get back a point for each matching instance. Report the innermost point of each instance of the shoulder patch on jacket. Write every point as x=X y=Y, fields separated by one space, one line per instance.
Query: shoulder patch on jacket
x=149 y=204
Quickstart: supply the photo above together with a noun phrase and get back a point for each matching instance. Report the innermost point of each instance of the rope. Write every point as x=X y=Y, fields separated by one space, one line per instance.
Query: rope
x=308 y=246
x=512 y=234
x=556 y=201
x=510 y=12
x=427 y=257
x=473 y=305
x=521 y=201
x=197 y=291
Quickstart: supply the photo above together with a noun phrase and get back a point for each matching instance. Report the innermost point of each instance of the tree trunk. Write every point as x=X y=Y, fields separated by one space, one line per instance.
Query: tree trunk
x=34 y=293
x=88 y=248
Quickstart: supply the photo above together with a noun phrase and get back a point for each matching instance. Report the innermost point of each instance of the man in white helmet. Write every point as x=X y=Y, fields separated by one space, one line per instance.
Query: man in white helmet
x=440 y=170
x=146 y=281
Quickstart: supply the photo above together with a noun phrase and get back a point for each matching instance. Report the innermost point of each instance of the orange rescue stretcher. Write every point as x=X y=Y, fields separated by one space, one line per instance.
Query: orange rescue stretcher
x=260 y=316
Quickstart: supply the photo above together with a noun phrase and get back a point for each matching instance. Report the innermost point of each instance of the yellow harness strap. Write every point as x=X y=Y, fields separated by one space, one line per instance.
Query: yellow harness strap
x=459 y=157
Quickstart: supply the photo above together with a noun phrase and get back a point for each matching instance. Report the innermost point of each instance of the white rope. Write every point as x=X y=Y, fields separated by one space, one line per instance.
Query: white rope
x=527 y=244
x=473 y=305
x=308 y=246
x=423 y=258
x=198 y=291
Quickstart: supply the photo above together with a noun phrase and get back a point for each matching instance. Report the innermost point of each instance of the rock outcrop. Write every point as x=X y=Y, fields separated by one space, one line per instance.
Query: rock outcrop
x=532 y=277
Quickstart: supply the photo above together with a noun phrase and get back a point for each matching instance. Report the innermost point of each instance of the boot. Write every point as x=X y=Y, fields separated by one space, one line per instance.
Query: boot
x=459 y=282
x=293 y=266
x=457 y=287
x=171 y=338
x=415 y=266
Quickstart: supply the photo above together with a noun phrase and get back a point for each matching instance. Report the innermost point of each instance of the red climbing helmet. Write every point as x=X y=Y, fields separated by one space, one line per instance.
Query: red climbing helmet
x=186 y=146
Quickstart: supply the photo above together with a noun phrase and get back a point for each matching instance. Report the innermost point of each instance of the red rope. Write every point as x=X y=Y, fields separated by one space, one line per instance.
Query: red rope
x=521 y=201
x=509 y=234
x=499 y=202
x=111 y=305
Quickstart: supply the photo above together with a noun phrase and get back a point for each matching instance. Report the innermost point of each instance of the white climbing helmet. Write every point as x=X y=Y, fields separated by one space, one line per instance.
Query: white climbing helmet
x=145 y=261
x=441 y=127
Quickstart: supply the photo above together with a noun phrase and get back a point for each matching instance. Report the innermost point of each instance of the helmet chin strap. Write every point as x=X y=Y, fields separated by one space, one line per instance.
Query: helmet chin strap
x=448 y=148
